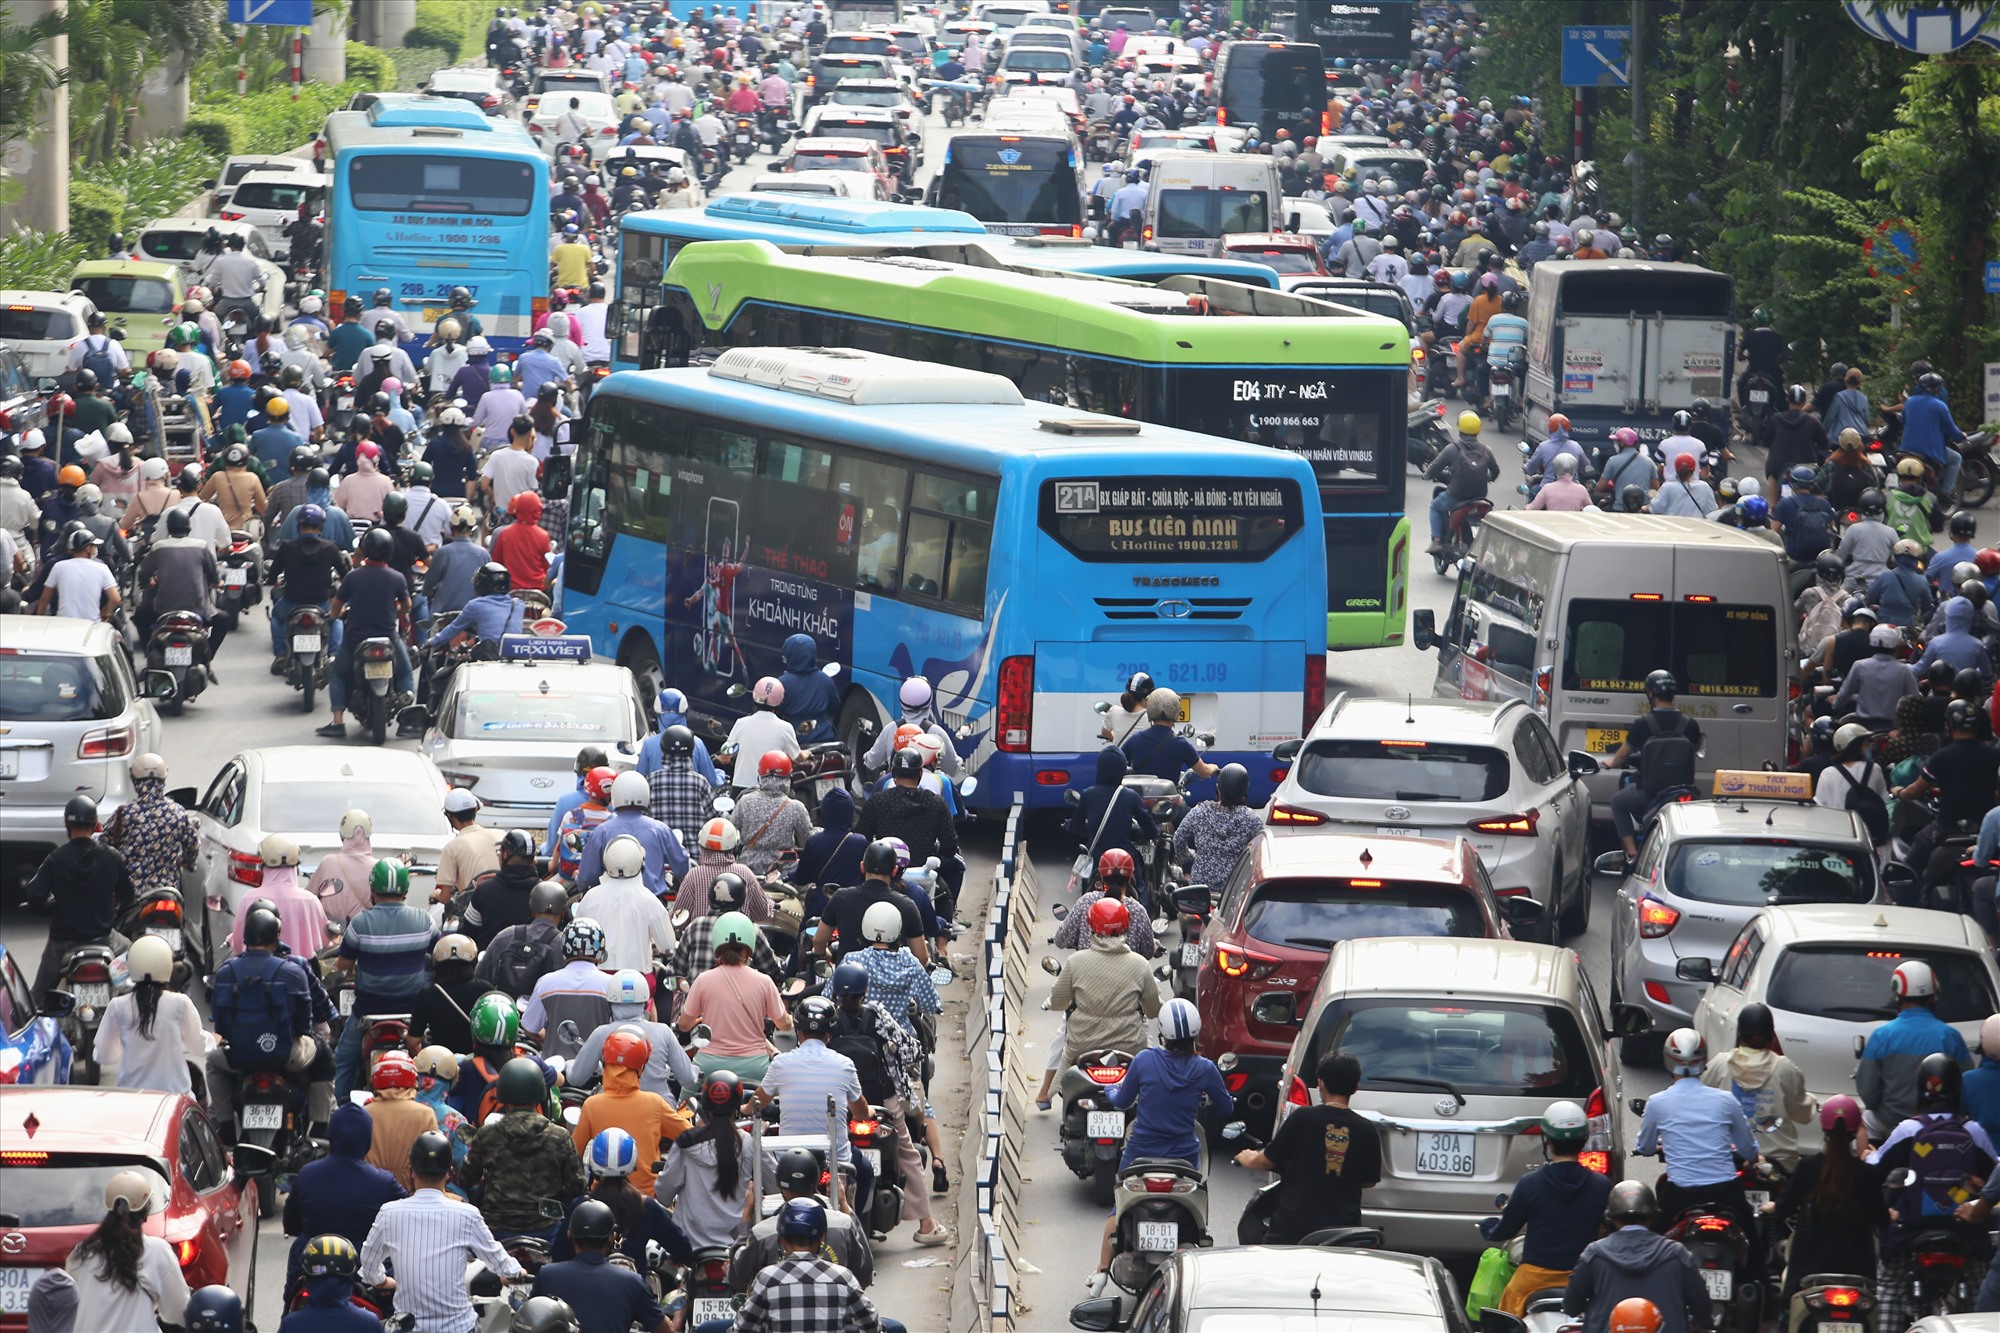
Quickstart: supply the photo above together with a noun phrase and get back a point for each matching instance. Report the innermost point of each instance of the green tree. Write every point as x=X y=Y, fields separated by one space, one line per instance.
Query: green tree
x=113 y=44
x=26 y=72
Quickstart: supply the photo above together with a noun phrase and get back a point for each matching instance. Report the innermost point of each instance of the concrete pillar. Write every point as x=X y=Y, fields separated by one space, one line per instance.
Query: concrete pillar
x=388 y=21
x=163 y=101
x=326 y=49
x=39 y=165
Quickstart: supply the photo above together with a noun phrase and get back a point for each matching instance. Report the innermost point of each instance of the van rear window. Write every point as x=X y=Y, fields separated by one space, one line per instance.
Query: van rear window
x=1718 y=649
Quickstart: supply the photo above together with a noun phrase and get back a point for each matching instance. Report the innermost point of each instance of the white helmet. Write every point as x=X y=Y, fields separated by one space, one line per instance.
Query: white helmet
x=1179 y=1020
x=624 y=858
x=150 y=959
x=916 y=693
x=626 y=986
x=719 y=835
x=882 y=923
x=478 y=346
x=153 y=469
x=438 y=1062
x=355 y=820
x=455 y=947
x=1914 y=980
x=148 y=765
x=134 y=1189
x=309 y=305
x=278 y=850
x=1163 y=705
x=1848 y=735
x=629 y=789
x=1685 y=1053
x=930 y=747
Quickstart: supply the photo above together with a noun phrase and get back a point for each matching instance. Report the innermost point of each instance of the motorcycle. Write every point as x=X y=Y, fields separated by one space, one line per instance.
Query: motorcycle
x=240 y=588
x=743 y=139
x=1429 y=435
x=306 y=666
x=89 y=975
x=820 y=769
x=874 y=1141
x=706 y=1284
x=1760 y=395
x=1833 y=1303
x=1461 y=529
x=369 y=693
x=1093 y=1133
x=1194 y=904
x=1502 y=382
x=1160 y=1206
x=339 y=409
x=271 y=1123
x=176 y=660
x=159 y=912
x=1731 y=1266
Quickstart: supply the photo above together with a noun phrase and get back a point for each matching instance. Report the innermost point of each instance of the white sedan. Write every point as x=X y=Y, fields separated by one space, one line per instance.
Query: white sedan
x=600 y=119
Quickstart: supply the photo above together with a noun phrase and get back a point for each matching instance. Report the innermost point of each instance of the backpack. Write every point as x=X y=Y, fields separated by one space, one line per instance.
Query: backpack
x=1811 y=529
x=1864 y=801
x=856 y=1040
x=519 y=961
x=1942 y=1157
x=1667 y=759
x=1911 y=515
x=254 y=1014
x=97 y=360
x=370 y=384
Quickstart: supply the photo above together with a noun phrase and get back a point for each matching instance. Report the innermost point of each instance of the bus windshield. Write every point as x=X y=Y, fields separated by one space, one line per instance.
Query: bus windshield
x=419 y=183
x=1011 y=179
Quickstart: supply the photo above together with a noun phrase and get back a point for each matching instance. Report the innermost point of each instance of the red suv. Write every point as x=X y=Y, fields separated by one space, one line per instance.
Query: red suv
x=1295 y=894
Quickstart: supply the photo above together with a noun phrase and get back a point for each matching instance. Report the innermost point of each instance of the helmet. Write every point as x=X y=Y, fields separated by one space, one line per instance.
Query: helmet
x=518 y=844
x=1913 y=980
x=1163 y=705
x=1109 y=916
x=677 y=742
x=1565 y=1122
x=80 y=811
x=430 y=1154
x=277 y=850
x=735 y=928
x=1851 y=733
x=521 y=1083
x=1840 y=1112
x=1988 y=560
x=1755 y=508
x=1630 y=1202
x=721 y=1093
x=850 y=980
x=389 y=879
x=1930 y=383
x=1989 y=1037
x=624 y=858
x=882 y=923
x=133 y=1190
x=592 y=1221
x=1557 y=421
x=817 y=1016
x=1634 y=1314
x=627 y=987
x=629 y=789
x=491 y=579
x=1662 y=685
x=437 y=1062
x=1625 y=437
x=1682 y=421
x=71 y=475
x=331 y=1255
x=802 y=1219
x=548 y=899
x=1232 y=785
x=1961 y=714
x=769 y=692
x=1116 y=862
x=150 y=959
x=1938 y=1082
x=454 y=948
x=310 y=516
x=915 y=693
x=1754 y=1026
x=907 y=762
x=1963 y=525
x=1179 y=1020
x=1564 y=465
x=495 y=1019
x=1685 y=1053
x=261 y=928
x=719 y=835
x=1796 y=394
x=1968 y=685
x=395 y=508
x=798 y=1171
x=394 y=1069
x=1469 y=423
x=727 y=890
x=239 y=369
x=1803 y=477
x=627 y=1050
x=612 y=1152
x=1910 y=468
x=377 y=545
x=583 y=938
x=774 y=761
x=597 y=782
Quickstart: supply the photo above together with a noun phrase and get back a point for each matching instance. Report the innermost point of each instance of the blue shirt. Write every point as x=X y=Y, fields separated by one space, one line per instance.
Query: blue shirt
x=233 y=405
x=1979 y=1096
x=390 y=944
x=534 y=368
x=273 y=445
x=452 y=566
x=1886 y=1077
x=1506 y=330
x=1168 y=1088
x=485 y=618
x=1702 y=1126
x=605 y=1299
x=649 y=751
x=663 y=849
x=1927 y=426
x=1987 y=849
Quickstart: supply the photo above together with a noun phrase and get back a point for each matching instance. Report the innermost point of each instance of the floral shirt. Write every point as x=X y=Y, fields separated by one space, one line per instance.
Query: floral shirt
x=157 y=837
x=1216 y=835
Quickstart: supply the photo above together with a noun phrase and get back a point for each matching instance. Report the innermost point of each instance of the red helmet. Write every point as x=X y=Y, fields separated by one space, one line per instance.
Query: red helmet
x=627 y=1050
x=1988 y=561
x=906 y=733
x=239 y=369
x=394 y=1070
x=597 y=783
x=774 y=761
x=1116 y=862
x=1109 y=916
x=62 y=405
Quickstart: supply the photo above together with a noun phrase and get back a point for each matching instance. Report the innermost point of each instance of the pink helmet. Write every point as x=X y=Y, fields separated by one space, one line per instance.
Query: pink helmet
x=770 y=692
x=368 y=449
x=1840 y=1112
x=393 y=387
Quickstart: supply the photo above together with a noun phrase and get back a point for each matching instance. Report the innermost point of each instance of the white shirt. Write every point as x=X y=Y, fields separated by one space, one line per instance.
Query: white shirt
x=754 y=735
x=158 y=1063
x=1830 y=789
x=429 y=515
x=635 y=921
x=1389 y=268
x=1674 y=446
x=591 y=317
x=430 y=1236
x=677 y=97
x=708 y=127
x=801 y=1081
x=206 y=523
x=106 y=1307
x=79 y=586
x=305 y=415
x=511 y=471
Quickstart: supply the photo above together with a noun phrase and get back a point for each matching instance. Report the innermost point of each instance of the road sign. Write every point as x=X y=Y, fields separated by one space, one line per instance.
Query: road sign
x=1597 y=57
x=279 y=13
x=1992 y=276
x=1892 y=251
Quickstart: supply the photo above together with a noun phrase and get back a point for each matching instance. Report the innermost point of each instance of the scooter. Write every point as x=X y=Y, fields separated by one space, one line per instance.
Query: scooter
x=1760 y=395
x=159 y=912
x=743 y=142
x=872 y=1139
x=1731 y=1266
x=176 y=660
x=1160 y=1206
x=1428 y=433
x=369 y=693
x=89 y=975
x=1194 y=904
x=1461 y=529
x=240 y=588
x=271 y=1122
x=1093 y=1132
x=1832 y=1303
x=1503 y=382
x=306 y=666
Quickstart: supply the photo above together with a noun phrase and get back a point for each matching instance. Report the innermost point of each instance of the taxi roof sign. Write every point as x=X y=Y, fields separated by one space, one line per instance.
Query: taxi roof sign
x=545 y=647
x=1759 y=785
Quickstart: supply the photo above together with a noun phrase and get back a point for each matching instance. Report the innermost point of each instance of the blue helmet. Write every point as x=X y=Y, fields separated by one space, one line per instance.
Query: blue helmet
x=312 y=516
x=671 y=700
x=612 y=1153
x=848 y=979
x=802 y=1219
x=1755 y=507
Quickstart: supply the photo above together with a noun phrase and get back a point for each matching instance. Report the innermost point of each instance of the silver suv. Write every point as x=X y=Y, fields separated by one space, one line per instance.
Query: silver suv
x=71 y=718
x=1446 y=768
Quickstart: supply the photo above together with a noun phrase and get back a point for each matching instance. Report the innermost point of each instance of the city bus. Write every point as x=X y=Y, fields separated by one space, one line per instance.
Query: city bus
x=431 y=194
x=1243 y=363
x=1017 y=183
x=649 y=240
x=918 y=519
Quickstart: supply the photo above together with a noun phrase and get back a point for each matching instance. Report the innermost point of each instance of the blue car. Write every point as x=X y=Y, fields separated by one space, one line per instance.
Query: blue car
x=33 y=1048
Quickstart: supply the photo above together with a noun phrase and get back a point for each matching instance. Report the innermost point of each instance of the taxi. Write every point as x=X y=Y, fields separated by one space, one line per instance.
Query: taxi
x=508 y=730
x=141 y=296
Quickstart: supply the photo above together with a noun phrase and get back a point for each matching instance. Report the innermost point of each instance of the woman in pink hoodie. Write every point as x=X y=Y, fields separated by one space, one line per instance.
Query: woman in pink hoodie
x=340 y=881
x=301 y=919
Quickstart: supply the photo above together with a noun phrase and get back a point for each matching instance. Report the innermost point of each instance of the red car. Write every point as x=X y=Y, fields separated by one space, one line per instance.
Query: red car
x=58 y=1147
x=1297 y=893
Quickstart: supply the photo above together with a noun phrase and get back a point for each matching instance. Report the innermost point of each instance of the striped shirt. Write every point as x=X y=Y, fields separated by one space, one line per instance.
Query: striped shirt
x=390 y=944
x=429 y=1237
x=801 y=1080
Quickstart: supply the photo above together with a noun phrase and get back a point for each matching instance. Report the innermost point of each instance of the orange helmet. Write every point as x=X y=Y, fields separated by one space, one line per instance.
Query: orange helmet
x=906 y=733
x=1557 y=421
x=1635 y=1314
x=239 y=369
x=1109 y=916
x=627 y=1050
x=597 y=782
x=71 y=475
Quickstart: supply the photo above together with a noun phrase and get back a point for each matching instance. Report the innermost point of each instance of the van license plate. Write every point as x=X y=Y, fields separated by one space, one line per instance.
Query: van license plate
x=264 y=1117
x=1443 y=1154
x=1721 y=1283
x=1159 y=1237
x=1603 y=740
x=1104 y=1124
x=180 y=656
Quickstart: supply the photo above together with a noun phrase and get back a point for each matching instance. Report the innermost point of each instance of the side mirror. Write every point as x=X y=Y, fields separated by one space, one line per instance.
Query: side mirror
x=1072 y=797
x=1521 y=910
x=1499 y=1321
x=1279 y=1008
x=57 y=1004
x=1700 y=970
x=1100 y=1312
x=1637 y=1105
x=700 y=1037
x=1234 y=1130
x=550 y=1210
x=555 y=477
x=1060 y=911
x=1227 y=1061
x=1286 y=752
x=1629 y=1020
x=184 y=797
x=1193 y=899
x=1582 y=765
x=1611 y=863
x=1101 y=707
x=1423 y=628
x=1896 y=875
x=416 y=715
x=1051 y=966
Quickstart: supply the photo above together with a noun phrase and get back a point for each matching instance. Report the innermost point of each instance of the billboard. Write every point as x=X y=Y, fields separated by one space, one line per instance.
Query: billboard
x=1358 y=29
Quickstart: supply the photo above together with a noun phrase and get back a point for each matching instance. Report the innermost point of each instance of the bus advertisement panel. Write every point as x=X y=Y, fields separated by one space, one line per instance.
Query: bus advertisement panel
x=1358 y=29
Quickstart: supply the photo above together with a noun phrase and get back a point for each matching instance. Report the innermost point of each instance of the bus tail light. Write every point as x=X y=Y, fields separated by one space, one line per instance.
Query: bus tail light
x=1315 y=690
x=1016 y=709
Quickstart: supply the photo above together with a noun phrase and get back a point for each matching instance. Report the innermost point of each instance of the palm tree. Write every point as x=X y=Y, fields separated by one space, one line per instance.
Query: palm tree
x=26 y=72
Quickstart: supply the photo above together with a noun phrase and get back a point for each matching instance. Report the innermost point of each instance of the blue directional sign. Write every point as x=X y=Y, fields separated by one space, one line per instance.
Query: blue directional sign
x=1597 y=57
x=278 y=13
x=1992 y=276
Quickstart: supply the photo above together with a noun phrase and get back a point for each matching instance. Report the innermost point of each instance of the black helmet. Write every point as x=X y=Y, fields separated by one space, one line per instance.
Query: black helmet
x=1963 y=524
x=677 y=742
x=1630 y=1202
x=817 y=1016
x=548 y=899
x=303 y=458
x=1829 y=567
x=261 y=929
x=330 y=1255
x=292 y=376
x=86 y=379
x=1931 y=382
x=1938 y=675
x=1662 y=685
x=1938 y=1082
x=1796 y=395
x=1511 y=302
x=522 y=1084
x=1682 y=421
x=1968 y=684
x=1754 y=1026
x=592 y=1222
x=377 y=544
x=461 y=297
x=179 y=523
x=798 y=1171
x=189 y=477
x=721 y=1093
x=382 y=295
x=879 y=858
x=1961 y=715
x=589 y=757
x=907 y=762
x=490 y=579
x=352 y=305
x=517 y=843
x=395 y=508
x=848 y=980
x=79 y=811
x=213 y=1309
x=1232 y=784
x=1701 y=407
x=1872 y=503
x=318 y=479
x=544 y=1314
x=430 y=1154
x=384 y=329
x=726 y=891
x=1632 y=499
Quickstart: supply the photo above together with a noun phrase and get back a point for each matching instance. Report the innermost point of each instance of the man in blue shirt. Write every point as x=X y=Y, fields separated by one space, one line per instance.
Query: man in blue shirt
x=388 y=948
x=605 y=1299
x=1929 y=431
x=1886 y=1078
x=235 y=400
x=1158 y=749
x=1705 y=1130
x=672 y=706
x=1963 y=527
x=538 y=365
x=371 y=604
x=490 y=614
x=274 y=441
x=631 y=794
x=454 y=564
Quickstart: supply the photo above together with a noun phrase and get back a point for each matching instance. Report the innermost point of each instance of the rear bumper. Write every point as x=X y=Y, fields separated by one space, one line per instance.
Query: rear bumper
x=1043 y=776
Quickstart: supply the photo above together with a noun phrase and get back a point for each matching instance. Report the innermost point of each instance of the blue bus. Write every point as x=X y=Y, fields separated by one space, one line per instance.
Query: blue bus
x=431 y=194
x=920 y=519
x=649 y=240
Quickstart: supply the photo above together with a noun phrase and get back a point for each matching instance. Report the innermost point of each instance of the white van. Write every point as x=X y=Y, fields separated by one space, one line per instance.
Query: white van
x=1570 y=612
x=269 y=201
x=1193 y=200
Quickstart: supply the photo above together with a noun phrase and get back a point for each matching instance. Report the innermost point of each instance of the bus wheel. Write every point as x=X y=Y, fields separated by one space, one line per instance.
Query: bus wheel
x=857 y=711
x=638 y=657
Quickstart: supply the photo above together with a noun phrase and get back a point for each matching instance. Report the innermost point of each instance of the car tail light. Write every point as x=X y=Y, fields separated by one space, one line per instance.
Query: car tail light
x=609 y=131
x=489 y=101
x=1105 y=1073
x=23 y=1158
x=187 y=1251
x=1315 y=689
x=534 y=128
x=1016 y=707
x=246 y=868
x=1656 y=918
x=1235 y=962
x=1286 y=814
x=1296 y=1094
x=1147 y=234
x=1053 y=777
x=228 y=216
x=1236 y=1081
x=1545 y=681
x=1513 y=826
x=106 y=743
x=1221 y=116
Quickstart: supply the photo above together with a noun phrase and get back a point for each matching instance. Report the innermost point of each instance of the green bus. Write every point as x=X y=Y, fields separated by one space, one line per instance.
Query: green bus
x=1326 y=382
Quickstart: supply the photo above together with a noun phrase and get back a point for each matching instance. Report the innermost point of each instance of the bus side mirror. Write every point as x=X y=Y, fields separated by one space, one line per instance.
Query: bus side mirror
x=555 y=477
x=1423 y=628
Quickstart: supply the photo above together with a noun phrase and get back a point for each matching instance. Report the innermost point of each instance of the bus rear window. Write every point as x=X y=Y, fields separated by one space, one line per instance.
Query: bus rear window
x=1144 y=520
x=1205 y=214
x=1289 y=81
x=1008 y=178
x=423 y=183
x=1718 y=649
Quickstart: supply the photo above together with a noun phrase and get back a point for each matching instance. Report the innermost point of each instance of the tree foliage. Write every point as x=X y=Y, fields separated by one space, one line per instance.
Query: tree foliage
x=26 y=72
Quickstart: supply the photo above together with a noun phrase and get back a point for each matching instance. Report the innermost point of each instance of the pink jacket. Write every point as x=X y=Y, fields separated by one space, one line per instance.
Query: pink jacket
x=302 y=921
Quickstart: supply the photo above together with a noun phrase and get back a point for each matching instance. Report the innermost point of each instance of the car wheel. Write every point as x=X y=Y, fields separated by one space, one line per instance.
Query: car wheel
x=1576 y=913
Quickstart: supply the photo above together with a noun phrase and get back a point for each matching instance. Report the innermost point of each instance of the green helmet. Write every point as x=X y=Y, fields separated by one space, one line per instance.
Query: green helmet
x=421 y=474
x=395 y=508
x=190 y=332
x=496 y=1019
x=522 y=1084
x=236 y=434
x=1761 y=315
x=735 y=928
x=389 y=879
x=1565 y=1122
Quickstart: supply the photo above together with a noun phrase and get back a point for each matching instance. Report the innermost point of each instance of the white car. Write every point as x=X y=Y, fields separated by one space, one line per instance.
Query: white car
x=177 y=241
x=1824 y=970
x=599 y=115
x=41 y=327
x=509 y=731
x=1045 y=65
x=236 y=168
x=481 y=87
x=823 y=184
x=270 y=200
x=878 y=93
x=1181 y=69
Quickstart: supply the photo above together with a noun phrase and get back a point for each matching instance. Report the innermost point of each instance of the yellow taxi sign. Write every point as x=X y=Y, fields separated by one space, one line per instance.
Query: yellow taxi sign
x=1757 y=784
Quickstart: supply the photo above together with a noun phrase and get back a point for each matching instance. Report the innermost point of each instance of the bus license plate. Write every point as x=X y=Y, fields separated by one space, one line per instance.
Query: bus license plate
x=1104 y=1124
x=713 y=1307
x=271 y=1116
x=378 y=670
x=1190 y=955
x=1159 y=1237
x=235 y=578
x=434 y=313
x=306 y=645
x=1443 y=1154
x=1721 y=1283
x=1603 y=740
x=180 y=656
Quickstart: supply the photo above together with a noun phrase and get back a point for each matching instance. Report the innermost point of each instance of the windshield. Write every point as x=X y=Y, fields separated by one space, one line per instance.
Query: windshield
x=531 y=714
x=68 y=1189
x=1281 y=259
x=1719 y=649
x=1011 y=178
x=561 y=83
x=865 y=97
x=171 y=246
x=424 y=183
x=1319 y=913
x=1479 y=1047
x=1756 y=874
x=137 y=296
x=1348 y=423
x=58 y=687
x=831 y=162
x=314 y=807
x=1269 y=86
x=269 y=194
x=1205 y=214
x=1143 y=520
x=1403 y=771
x=1851 y=984
x=827 y=73
x=887 y=135
x=1039 y=60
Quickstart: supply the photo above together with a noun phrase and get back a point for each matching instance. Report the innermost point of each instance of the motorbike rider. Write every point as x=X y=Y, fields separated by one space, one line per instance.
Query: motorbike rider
x=1793 y=437
x=440 y=1014
x=399 y=1118
x=758 y=733
x=1770 y=1088
x=328 y=1267
x=812 y=701
x=522 y=1158
x=1837 y=1203
x=96 y=888
x=917 y=702
x=1938 y=1149
x=575 y=995
x=371 y=603
x=504 y=898
x=1563 y=492
x=1157 y=748
x=1212 y=835
x=179 y=573
x=1629 y=466
x=157 y=837
x=150 y=1032
x=671 y=706
x=668 y=1072
x=124 y=1278
x=261 y=1006
x=889 y=1063
x=339 y=1194
x=798 y=1177
x=719 y=841
x=920 y=817
x=598 y=1296
x=629 y=797
x=1702 y=1127
x=637 y=926
x=803 y=1080
x=1682 y=441
x=387 y=947
x=1107 y=992
x=803 y=1292
x=1661 y=746
x=340 y=880
x=495 y=1027
x=430 y=1236
x=844 y=926
x=455 y=565
x=1168 y=1084
x=1634 y=1261
x=1685 y=495
x=1929 y=432
x=1325 y=1155
x=472 y=851
x=1466 y=468
x=1962 y=772
x=1805 y=517
x=695 y=954
x=776 y=820
x=623 y=1105
x=894 y=978
x=706 y=1177
x=490 y=614
x=1888 y=1076
x=1558 y=1206
x=679 y=794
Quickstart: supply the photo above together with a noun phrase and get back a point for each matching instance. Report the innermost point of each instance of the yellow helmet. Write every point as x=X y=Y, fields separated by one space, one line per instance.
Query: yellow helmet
x=1469 y=423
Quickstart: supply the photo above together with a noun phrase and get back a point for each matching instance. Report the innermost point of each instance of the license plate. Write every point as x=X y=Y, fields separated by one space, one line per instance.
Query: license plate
x=15 y=1284
x=1398 y=831
x=180 y=656
x=10 y=764
x=94 y=994
x=1159 y=1237
x=302 y=644
x=874 y=1158
x=1758 y=1198
x=1190 y=955
x=1760 y=396
x=1721 y=1283
x=742 y=138
x=1603 y=740
x=378 y=670
x=1012 y=229
x=824 y=787
x=171 y=934
x=344 y=403
x=264 y=1117
x=235 y=578
x=1840 y=1328
x=713 y=1307
x=1443 y=1154
x=1187 y=708
x=346 y=1003
x=1503 y=391
x=1104 y=1124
